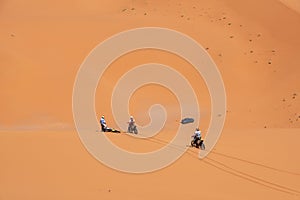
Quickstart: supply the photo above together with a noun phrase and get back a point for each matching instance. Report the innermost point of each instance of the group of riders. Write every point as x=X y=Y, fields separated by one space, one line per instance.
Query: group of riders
x=131 y=126
x=196 y=137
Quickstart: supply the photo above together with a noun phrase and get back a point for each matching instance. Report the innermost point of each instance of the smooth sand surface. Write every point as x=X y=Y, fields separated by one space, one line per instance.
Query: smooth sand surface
x=255 y=45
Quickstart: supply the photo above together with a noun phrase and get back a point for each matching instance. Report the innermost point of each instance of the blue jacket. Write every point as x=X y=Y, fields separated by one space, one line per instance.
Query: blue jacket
x=102 y=121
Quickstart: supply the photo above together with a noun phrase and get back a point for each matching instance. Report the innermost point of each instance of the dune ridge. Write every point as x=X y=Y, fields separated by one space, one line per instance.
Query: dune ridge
x=293 y=4
x=255 y=45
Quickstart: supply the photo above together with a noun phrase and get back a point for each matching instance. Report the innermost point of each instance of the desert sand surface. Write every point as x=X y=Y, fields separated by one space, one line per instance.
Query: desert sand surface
x=255 y=45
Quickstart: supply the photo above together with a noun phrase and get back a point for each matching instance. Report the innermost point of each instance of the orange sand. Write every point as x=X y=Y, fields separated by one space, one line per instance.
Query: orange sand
x=254 y=43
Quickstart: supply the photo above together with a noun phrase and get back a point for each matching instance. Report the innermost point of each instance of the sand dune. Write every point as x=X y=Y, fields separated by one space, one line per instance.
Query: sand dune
x=255 y=45
x=293 y=4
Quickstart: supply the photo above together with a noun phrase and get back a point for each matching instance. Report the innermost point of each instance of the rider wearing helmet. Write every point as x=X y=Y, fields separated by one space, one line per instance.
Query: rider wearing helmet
x=196 y=136
x=131 y=120
x=103 y=124
x=131 y=124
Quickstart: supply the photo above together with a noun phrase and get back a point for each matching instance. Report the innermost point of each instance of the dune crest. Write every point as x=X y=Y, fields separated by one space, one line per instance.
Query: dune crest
x=293 y=4
x=255 y=45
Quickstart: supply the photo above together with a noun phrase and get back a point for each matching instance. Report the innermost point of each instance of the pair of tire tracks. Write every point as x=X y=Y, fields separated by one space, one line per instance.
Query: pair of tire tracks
x=235 y=172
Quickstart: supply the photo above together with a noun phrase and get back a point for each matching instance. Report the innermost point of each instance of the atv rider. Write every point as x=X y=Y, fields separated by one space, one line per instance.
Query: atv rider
x=131 y=124
x=103 y=124
x=196 y=136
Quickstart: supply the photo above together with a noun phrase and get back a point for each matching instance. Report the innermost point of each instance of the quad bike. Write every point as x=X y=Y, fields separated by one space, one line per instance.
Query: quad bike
x=132 y=129
x=198 y=143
